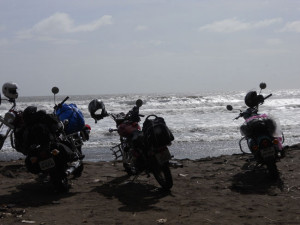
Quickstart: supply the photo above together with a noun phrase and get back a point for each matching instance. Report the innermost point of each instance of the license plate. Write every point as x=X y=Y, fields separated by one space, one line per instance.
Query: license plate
x=163 y=157
x=268 y=152
x=47 y=164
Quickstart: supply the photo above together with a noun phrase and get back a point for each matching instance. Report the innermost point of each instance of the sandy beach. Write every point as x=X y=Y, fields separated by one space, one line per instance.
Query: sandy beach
x=220 y=190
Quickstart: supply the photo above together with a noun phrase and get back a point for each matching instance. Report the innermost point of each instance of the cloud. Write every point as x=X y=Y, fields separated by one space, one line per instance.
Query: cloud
x=141 y=28
x=56 y=40
x=61 y=23
x=291 y=27
x=234 y=25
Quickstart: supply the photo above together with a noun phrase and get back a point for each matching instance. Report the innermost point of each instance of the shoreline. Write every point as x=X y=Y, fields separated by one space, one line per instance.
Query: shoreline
x=180 y=150
x=212 y=190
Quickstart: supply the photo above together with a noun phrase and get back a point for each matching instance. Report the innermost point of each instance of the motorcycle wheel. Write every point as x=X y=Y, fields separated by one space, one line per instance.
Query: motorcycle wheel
x=127 y=169
x=163 y=176
x=273 y=170
x=78 y=171
x=61 y=184
x=2 y=139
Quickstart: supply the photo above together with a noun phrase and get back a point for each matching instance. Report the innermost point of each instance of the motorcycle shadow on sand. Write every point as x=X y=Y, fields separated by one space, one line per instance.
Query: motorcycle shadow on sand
x=32 y=192
x=255 y=180
x=136 y=196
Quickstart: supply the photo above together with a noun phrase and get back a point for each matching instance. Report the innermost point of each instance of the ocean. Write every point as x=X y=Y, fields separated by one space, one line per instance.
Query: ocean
x=201 y=125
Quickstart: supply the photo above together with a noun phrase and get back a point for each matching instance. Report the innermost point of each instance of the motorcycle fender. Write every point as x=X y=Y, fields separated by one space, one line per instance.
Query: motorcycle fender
x=163 y=156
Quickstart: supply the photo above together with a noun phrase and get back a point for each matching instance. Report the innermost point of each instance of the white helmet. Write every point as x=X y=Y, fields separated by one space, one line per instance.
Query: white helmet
x=10 y=90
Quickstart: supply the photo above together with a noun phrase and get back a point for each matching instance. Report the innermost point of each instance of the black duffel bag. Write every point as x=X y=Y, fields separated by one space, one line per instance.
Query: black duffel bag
x=156 y=132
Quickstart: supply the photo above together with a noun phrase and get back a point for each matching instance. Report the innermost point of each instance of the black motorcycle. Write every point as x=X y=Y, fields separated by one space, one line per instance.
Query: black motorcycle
x=261 y=132
x=11 y=121
x=141 y=150
x=50 y=151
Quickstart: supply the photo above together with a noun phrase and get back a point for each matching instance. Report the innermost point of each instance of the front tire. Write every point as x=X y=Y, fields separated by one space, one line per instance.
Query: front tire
x=127 y=169
x=78 y=172
x=59 y=179
x=61 y=184
x=163 y=176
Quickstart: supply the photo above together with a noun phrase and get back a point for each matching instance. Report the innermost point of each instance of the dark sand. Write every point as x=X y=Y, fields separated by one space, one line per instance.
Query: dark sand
x=220 y=190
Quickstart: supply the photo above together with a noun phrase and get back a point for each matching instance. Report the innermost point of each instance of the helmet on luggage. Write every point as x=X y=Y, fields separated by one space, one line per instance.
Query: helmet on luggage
x=9 y=90
x=252 y=99
x=96 y=105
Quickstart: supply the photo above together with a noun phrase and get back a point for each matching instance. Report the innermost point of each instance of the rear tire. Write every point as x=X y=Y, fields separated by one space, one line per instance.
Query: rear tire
x=163 y=176
x=273 y=170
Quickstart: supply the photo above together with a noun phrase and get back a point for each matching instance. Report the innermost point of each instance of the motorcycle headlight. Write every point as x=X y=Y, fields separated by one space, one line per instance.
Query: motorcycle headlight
x=9 y=117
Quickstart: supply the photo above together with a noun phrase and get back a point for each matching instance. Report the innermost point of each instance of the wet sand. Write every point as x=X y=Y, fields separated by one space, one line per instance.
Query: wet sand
x=219 y=190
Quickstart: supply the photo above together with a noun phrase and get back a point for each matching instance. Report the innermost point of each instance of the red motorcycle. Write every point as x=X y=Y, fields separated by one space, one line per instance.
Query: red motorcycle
x=261 y=133
x=140 y=149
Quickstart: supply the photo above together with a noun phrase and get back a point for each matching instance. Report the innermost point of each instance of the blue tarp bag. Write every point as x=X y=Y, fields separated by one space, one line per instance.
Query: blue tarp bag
x=74 y=115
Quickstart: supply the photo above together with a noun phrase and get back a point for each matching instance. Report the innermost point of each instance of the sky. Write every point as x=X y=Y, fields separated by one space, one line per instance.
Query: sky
x=149 y=46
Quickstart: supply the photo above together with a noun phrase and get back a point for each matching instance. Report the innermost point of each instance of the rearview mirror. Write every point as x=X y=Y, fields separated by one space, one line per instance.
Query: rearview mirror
x=262 y=85
x=229 y=107
x=139 y=102
x=55 y=90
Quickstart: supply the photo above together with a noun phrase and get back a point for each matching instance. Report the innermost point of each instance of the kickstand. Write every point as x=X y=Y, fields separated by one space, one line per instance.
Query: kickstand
x=257 y=166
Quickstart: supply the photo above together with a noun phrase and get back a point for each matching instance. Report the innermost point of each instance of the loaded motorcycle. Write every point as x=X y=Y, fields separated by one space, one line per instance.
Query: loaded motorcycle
x=50 y=150
x=141 y=150
x=261 y=132
x=12 y=119
x=75 y=130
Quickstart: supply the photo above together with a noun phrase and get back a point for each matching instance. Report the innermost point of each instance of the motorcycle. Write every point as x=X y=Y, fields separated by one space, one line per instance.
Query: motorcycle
x=12 y=119
x=50 y=151
x=76 y=132
x=141 y=150
x=261 y=133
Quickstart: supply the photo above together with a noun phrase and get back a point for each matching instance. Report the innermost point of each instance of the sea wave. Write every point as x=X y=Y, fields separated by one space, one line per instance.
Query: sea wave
x=193 y=118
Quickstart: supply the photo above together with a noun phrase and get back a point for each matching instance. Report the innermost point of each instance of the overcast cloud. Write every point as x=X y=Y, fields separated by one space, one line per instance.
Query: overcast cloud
x=146 y=46
x=234 y=25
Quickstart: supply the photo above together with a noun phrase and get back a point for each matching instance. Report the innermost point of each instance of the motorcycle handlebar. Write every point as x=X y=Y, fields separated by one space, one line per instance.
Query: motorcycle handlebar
x=66 y=98
x=60 y=104
x=255 y=109
x=268 y=96
x=112 y=130
x=114 y=116
x=134 y=112
x=236 y=118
